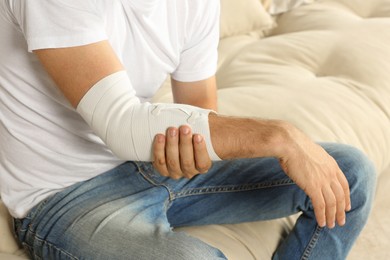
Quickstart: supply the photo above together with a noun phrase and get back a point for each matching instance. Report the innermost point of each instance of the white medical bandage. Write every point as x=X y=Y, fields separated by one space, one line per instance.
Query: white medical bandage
x=129 y=127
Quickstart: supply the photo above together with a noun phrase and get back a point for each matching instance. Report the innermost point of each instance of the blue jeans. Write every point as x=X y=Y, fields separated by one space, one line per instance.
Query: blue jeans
x=129 y=212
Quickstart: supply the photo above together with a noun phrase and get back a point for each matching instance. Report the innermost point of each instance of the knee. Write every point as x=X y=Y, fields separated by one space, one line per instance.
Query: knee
x=360 y=173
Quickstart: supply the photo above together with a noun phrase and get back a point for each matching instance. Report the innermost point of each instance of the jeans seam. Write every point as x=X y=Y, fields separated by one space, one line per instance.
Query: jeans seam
x=48 y=244
x=233 y=188
x=30 y=251
x=37 y=209
x=313 y=241
x=151 y=181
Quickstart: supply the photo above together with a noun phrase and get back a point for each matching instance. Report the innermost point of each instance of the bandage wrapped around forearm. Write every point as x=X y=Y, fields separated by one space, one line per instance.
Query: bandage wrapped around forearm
x=128 y=127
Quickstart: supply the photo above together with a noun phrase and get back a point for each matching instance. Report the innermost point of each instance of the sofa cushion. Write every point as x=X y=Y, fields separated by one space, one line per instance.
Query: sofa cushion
x=282 y=6
x=325 y=68
x=244 y=16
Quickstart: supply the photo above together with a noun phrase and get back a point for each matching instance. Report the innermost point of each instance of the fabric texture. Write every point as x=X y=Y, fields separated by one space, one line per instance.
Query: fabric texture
x=282 y=6
x=253 y=17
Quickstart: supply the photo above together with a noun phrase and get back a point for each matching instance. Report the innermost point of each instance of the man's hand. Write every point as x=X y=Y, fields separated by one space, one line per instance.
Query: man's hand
x=180 y=154
x=305 y=162
x=318 y=174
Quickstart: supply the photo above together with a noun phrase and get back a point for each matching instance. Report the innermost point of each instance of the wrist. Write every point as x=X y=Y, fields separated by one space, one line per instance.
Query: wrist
x=283 y=141
x=275 y=138
x=293 y=142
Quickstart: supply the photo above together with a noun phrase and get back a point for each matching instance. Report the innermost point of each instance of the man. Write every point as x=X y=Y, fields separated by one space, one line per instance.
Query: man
x=91 y=170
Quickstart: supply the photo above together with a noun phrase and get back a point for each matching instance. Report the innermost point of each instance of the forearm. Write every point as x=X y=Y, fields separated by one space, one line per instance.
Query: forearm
x=234 y=137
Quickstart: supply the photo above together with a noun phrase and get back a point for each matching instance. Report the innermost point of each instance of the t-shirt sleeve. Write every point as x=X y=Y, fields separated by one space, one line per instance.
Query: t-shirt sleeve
x=199 y=56
x=59 y=23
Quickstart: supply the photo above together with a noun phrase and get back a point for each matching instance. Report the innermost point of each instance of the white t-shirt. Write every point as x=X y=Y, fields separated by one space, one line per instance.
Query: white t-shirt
x=45 y=144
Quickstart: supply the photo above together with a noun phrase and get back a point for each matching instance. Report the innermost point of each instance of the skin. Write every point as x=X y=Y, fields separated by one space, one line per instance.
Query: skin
x=75 y=70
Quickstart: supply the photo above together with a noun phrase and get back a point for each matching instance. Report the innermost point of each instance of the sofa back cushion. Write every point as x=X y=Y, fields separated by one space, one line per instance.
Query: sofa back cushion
x=243 y=16
x=281 y=6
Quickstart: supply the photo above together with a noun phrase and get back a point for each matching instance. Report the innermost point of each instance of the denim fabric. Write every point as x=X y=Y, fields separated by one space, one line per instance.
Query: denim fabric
x=129 y=212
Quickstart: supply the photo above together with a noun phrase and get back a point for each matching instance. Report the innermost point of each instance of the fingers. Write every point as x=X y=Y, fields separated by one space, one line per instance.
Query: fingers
x=345 y=186
x=202 y=159
x=332 y=202
x=187 y=162
x=172 y=153
x=340 y=199
x=331 y=206
x=180 y=154
x=166 y=154
x=319 y=209
x=159 y=162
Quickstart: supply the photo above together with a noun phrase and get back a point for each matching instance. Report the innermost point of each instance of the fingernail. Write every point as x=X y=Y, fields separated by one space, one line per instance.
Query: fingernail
x=198 y=139
x=160 y=138
x=185 y=130
x=342 y=223
x=173 y=132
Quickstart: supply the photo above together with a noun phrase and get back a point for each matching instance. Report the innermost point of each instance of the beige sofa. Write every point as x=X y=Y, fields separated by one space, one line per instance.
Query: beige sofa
x=325 y=67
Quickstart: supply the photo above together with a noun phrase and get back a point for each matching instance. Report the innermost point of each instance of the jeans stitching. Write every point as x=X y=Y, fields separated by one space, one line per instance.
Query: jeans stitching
x=48 y=244
x=233 y=188
x=312 y=243
x=143 y=168
x=37 y=209
x=30 y=250
x=151 y=181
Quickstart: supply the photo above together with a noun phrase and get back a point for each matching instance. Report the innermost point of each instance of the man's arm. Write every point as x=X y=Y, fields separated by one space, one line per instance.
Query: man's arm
x=76 y=70
x=305 y=162
x=200 y=93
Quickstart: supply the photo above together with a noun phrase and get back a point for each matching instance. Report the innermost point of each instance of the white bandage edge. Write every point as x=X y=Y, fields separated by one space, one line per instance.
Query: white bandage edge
x=128 y=127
